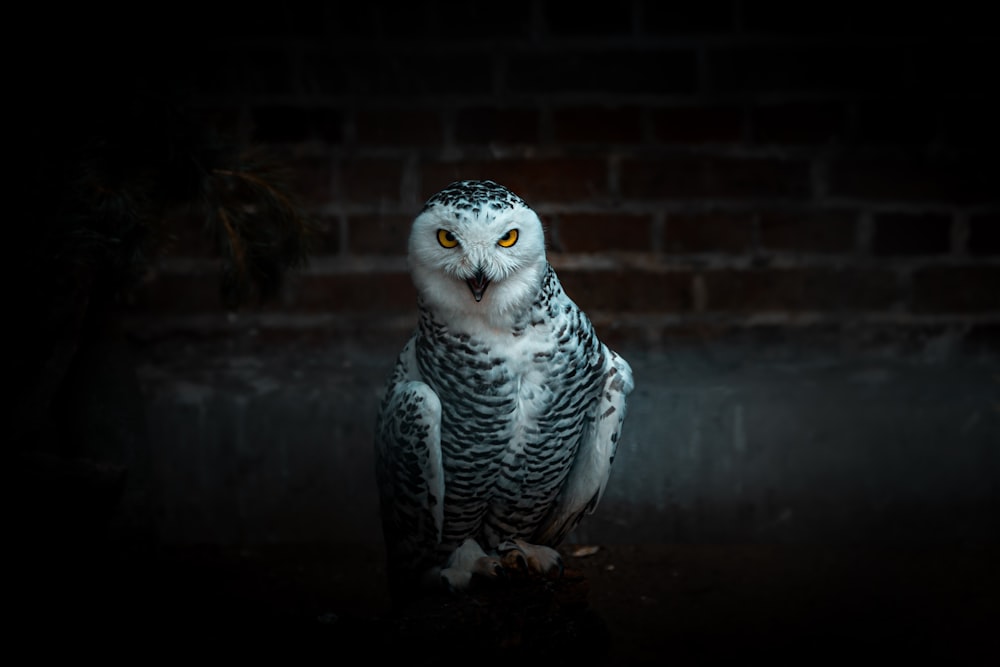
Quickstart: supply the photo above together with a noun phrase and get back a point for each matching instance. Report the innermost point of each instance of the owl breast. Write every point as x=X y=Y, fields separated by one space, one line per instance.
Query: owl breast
x=514 y=407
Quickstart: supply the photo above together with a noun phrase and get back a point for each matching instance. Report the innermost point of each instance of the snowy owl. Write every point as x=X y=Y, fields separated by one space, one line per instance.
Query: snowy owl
x=500 y=419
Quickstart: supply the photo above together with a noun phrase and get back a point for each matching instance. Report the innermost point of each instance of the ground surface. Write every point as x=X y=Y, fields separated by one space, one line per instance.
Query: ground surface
x=648 y=604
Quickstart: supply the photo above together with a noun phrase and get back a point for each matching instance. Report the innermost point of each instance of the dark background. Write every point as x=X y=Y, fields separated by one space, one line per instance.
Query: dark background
x=785 y=216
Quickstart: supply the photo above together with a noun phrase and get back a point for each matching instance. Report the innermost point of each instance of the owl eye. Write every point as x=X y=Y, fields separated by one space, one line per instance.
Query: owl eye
x=447 y=239
x=508 y=239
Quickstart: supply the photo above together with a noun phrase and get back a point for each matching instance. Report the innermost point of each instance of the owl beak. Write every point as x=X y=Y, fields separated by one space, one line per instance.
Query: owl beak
x=478 y=284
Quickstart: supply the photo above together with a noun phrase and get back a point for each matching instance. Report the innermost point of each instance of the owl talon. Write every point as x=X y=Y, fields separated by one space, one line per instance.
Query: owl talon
x=467 y=562
x=521 y=556
x=514 y=560
x=488 y=567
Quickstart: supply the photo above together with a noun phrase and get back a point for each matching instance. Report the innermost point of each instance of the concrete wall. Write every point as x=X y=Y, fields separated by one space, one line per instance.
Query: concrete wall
x=724 y=441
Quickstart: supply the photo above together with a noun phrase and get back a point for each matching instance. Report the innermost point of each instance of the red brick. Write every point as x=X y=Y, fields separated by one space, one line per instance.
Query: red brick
x=713 y=177
x=953 y=68
x=397 y=72
x=455 y=18
x=956 y=289
x=180 y=294
x=897 y=122
x=287 y=20
x=808 y=231
x=984 y=234
x=352 y=292
x=597 y=125
x=708 y=232
x=489 y=125
x=798 y=123
x=308 y=178
x=379 y=234
x=672 y=18
x=564 y=18
x=326 y=239
x=225 y=119
x=819 y=289
x=339 y=72
x=669 y=70
x=971 y=127
x=953 y=179
x=755 y=177
x=629 y=290
x=663 y=178
x=808 y=68
x=825 y=18
x=911 y=234
x=547 y=230
x=697 y=125
x=406 y=127
x=288 y=124
x=541 y=180
x=595 y=233
x=244 y=72
x=371 y=180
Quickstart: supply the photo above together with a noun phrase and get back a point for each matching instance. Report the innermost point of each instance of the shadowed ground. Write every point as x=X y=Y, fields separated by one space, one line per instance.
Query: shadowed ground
x=623 y=604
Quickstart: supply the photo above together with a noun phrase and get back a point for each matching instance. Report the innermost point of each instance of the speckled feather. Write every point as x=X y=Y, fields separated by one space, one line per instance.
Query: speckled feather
x=497 y=422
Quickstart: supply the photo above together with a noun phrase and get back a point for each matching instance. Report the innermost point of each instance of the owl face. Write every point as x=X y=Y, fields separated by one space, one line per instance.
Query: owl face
x=477 y=249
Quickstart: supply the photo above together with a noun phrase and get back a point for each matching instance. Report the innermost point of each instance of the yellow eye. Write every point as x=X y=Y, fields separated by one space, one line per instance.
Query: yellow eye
x=447 y=239
x=508 y=239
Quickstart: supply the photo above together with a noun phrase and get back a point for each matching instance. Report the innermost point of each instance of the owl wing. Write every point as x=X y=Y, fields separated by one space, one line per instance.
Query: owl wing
x=409 y=473
x=591 y=468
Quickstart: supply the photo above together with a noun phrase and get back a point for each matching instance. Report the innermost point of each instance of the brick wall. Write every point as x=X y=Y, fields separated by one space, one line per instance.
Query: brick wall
x=701 y=167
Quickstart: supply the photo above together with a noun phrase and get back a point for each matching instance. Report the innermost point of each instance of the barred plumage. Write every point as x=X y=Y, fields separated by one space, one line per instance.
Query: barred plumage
x=501 y=418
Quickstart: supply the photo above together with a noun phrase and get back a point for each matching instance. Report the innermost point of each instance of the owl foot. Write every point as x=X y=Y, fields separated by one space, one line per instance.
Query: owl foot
x=468 y=561
x=520 y=556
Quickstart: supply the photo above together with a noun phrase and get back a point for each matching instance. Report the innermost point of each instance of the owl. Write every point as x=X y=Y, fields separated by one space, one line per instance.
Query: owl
x=499 y=422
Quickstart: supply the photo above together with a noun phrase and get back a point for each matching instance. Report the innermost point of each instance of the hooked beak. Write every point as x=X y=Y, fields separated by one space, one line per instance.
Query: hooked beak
x=478 y=284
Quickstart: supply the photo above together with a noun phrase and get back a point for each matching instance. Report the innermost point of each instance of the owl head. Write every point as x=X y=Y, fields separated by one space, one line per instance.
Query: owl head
x=477 y=250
